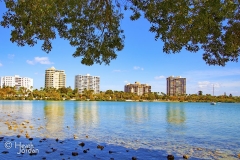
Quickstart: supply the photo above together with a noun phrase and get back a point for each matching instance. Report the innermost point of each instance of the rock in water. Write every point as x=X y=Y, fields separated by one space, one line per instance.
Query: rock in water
x=239 y=155
x=85 y=151
x=74 y=153
x=5 y=152
x=170 y=157
x=134 y=158
x=82 y=144
x=185 y=156
x=100 y=147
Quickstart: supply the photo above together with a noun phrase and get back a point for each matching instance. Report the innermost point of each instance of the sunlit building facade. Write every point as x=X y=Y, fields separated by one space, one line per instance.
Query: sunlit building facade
x=176 y=86
x=137 y=88
x=87 y=82
x=17 y=82
x=55 y=78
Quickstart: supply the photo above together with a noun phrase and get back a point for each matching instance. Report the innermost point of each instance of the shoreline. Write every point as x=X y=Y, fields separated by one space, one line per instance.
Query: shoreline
x=115 y=101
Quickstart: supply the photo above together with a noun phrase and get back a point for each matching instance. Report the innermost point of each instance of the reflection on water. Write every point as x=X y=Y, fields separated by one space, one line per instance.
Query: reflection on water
x=16 y=108
x=85 y=116
x=176 y=117
x=54 y=115
x=175 y=113
x=136 y=112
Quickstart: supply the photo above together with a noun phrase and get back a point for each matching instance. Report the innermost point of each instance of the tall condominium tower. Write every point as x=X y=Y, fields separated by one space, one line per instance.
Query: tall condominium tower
x=16 y=81
x=176 y=86
x=55 y=78
x=87 y=82
x=137 y=88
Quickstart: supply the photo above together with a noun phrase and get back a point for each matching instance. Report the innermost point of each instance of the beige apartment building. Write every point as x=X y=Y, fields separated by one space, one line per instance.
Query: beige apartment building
x=137 y=88
x=176 y=86
x=55 y=78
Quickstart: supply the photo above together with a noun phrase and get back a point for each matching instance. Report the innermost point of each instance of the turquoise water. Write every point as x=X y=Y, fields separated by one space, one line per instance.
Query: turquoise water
x=199 y=130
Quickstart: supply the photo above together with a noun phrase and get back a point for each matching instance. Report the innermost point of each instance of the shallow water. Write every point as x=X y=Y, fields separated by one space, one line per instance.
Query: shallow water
x=149 y=130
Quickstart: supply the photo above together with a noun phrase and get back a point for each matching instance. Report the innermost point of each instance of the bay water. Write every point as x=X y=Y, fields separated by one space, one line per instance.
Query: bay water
x=148 y=129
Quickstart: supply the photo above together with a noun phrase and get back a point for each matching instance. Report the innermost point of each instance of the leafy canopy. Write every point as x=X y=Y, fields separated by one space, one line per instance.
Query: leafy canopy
x=93 y=26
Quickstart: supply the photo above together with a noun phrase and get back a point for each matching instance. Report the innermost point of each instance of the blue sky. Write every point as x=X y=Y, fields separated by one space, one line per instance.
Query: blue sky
x=142 y=59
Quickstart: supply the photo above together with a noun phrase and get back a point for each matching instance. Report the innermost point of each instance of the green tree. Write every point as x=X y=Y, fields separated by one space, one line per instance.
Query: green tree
x=93 y=26
x=88 y=93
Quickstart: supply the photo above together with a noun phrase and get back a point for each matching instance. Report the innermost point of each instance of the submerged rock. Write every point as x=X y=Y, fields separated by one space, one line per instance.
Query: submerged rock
x=54 y=149
x=199 y=149
x=33 y=153
x=74 y=153
x=185 y=156
x=5 y=152
x=49 y=151
x=75 y=137
x=170 y=157
x=30 y=139
x=27 y=136
x=134 y=158
x=100 y=147
x=82 y=144
x=85 y=151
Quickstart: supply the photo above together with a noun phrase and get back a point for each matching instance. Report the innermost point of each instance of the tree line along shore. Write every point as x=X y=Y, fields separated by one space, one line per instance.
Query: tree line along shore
x=66 y=93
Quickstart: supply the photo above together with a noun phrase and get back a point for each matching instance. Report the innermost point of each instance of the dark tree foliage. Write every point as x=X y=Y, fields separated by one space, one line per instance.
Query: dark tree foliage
x=93 y=26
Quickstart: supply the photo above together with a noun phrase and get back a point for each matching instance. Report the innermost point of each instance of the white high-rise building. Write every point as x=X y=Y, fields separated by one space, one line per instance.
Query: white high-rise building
x=55 y=78
x=16 y=81
x=87 y=82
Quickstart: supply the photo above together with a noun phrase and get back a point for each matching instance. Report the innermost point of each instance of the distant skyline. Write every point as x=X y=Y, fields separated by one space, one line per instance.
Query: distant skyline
x=142 y=60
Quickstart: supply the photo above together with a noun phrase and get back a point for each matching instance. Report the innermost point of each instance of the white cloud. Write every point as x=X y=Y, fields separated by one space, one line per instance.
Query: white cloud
x=1 y=65
x=41 y=60
x=203 y=84
x=159 y=77
x=11 y=56
x=36 y=73
x=30 y=62
x=207 y=84
x=117 y=70
x=138 y=68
